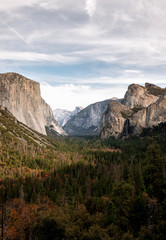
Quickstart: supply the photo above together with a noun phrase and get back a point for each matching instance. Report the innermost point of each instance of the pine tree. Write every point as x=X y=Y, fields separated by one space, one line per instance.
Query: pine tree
x=153 y=171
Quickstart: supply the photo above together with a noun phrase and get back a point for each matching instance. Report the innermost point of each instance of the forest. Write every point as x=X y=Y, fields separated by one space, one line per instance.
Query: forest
x=82 y=188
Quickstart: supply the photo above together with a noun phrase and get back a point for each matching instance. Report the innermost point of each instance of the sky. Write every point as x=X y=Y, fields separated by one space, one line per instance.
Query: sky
x=84 y=51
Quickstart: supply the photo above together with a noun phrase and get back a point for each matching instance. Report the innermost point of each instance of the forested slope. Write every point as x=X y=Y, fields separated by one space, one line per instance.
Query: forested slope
x=81 y=188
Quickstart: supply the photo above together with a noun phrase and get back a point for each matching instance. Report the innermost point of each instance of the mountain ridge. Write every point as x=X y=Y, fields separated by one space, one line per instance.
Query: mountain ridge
x=64 y=115
x=142 y=107
x=87 y=121
x=22 y=97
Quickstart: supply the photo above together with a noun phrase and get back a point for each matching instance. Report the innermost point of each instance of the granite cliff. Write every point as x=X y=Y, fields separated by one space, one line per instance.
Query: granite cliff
x=137 y=95
x=142 y=107
x=87 y=121
x=21 y=96
x=63 y=115
x=113 y=119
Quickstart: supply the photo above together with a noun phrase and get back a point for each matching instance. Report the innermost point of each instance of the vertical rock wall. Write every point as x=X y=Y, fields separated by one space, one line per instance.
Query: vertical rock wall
x=21 y=96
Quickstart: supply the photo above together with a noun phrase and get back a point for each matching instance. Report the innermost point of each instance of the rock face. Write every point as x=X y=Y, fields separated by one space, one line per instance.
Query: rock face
x=21 y=96
x=151 y=116
x=63 y=115
x=142 y=107
x=141 y=96
x=114 y=119
x=87 y=121
x=19 y=133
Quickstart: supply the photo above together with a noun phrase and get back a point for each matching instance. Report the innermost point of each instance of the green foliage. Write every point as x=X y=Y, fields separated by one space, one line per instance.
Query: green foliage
x=154 y=170
x=137 y=108
x=127 y=114
x=127 y=236
x=145 y=234
x=47 y=228
x=121 y=204
x=161 y=230
x=82 y=188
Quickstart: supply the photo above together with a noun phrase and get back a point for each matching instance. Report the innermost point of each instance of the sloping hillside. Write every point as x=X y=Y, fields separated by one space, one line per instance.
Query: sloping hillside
x=22 y=146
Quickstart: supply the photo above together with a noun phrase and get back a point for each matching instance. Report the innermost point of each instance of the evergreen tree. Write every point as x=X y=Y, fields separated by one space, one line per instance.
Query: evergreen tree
x=153 y=171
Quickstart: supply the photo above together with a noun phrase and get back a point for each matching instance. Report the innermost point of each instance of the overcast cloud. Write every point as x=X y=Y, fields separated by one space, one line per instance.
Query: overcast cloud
x=84 y=50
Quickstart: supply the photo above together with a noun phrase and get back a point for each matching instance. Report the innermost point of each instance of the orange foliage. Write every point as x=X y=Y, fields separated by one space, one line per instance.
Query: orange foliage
x=21 y=218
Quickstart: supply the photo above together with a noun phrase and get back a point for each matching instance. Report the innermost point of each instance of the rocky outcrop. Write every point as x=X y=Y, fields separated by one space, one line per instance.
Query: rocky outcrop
x=142 y=107
x=139 y=96
x=114 y=119
x=21 y=96
x=87 y=121
x=151 y=116
x=63 y=115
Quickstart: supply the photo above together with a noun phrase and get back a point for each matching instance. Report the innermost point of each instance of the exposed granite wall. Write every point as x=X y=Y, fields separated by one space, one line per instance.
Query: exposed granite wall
x=21 y=96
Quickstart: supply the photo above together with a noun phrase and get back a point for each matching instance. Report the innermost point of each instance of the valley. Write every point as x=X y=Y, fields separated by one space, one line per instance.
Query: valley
x=108 y=184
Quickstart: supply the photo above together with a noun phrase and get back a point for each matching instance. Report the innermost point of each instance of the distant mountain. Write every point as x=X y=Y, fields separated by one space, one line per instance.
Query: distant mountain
x=142 y=107
x=21 y=96
x=87 y=121
x=63 y=116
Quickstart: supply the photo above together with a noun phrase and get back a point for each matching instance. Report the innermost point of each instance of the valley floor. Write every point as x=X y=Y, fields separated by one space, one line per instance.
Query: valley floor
x=82 y=188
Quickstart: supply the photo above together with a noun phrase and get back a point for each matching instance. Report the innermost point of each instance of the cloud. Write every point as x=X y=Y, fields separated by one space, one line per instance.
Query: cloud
x=13 y=30
x=37 y=57
x=90 y=7
x=70 y=95
x=84 y=43
x=88 y=91
x=14 y=4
